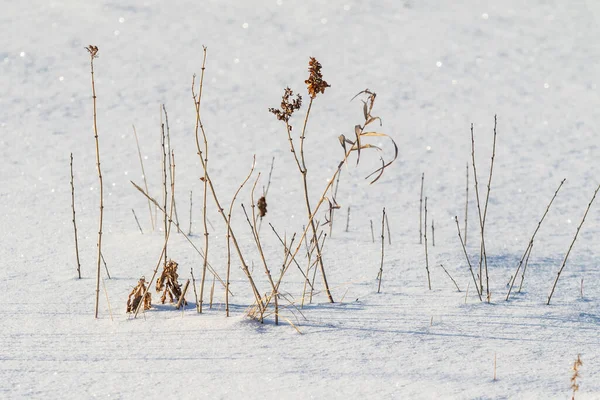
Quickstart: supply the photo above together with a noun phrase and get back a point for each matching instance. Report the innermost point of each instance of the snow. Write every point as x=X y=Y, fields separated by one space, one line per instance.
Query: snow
x=436 y=68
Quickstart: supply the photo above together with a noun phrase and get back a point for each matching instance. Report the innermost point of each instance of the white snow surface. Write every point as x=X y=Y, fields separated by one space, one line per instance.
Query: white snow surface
x=436 y=67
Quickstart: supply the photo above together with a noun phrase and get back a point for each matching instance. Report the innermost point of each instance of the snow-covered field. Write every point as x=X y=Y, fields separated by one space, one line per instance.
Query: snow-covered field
x=436 y=67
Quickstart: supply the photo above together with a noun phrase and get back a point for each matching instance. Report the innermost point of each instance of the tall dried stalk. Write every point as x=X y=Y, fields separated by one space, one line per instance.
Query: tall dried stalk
x=421 y=210
x=572 y=243
x=253 y=228
x=93 y=50
x=143 y=174
x=348 y=219
x=74 y=223
x=487 y=198
x=229 y=232
x=372 y=234
x=482 y=248
x=164 y=248
x=164 y=109
x=200 y=126
x=432 y=233
x=382 y=249
x=166 y=195
x=426 y=253
x=530 y=244
x=354 y=146
x=467 y=257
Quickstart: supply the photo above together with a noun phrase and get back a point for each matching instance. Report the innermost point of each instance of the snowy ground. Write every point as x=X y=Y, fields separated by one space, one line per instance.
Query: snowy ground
x=436 y=67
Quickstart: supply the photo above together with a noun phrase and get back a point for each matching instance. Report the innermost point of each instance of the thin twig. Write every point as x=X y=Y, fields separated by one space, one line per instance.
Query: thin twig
x=372 y=234
x=169 y=152
x=105 y=266
x=195 y=293
x=137 y=221
x=572 y=243
x=143 y=174
x=530 y=244
x=467 y=204
x=467 y=257
x=450 y=276
x=74 y=223
x=426 y=253
x=382 y=249
x=190 y=229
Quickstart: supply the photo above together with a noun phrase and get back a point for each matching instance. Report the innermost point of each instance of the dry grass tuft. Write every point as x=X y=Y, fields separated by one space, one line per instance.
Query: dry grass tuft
x=167 y=282
x=135 y=297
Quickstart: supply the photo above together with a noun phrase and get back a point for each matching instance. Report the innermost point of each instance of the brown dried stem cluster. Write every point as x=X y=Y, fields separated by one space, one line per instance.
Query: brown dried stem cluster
x=168 y=284
x=136 y=295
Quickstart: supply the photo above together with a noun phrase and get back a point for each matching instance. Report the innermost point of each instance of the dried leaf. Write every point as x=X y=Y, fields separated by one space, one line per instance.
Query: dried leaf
x=357 y=131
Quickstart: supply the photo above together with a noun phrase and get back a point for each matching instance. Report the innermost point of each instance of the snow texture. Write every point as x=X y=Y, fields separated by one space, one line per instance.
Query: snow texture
x=436 y=66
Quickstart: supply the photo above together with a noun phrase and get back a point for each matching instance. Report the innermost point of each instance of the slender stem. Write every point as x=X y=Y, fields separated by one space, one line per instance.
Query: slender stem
x=143 y=174
x=372 y=234
x=190 y=230
x=467 y=257
x=74 y=223
x=530 y=244
x=199 y=125
x=482 y=250
x=487 y=198
x=426 y=253
x=382 y=249
x=169 y=152
x=287 y=250
x=348 y=219
x=572 y=243
x=450 y=276
x=229 y=235
x=92 y=55
x=137 y=221
x=387 y=224
x=166 y=195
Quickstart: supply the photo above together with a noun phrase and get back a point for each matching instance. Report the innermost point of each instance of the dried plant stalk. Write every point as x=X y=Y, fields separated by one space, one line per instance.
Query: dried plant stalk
x=287 y=251
x=468 y=261
x=74 y=223
x=574 y=383
x=164 y=249
x=200 y=126
x=450 y=276
x=426 y=253
x=354 y=146
x=348 y=219
x=482 y=249
x=137 y=221
x=382 y=249
x=372 y=234
x=143 y=174
x=530 y=244
x=229 y=232
x=164 y=109
x=105 y=266
x=212 y=292
x=572 y=243
x=182 y=297
x=387 y=224
x=487 y=198
x=93 y=50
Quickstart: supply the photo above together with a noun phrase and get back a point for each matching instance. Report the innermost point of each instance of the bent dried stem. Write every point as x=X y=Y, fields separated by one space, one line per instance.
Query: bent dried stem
x=572 y=243
x=74 y=223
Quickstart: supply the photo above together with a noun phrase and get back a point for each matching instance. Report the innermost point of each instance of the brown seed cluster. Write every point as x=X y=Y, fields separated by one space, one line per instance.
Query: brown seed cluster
x=168 y=283
x=262 y=206
x=136 y=296
x=93 y=50
x=315 y=82
x=288 y=105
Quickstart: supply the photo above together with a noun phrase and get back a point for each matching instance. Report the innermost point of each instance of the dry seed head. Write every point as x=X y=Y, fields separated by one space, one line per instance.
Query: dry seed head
x=315 y=82
x=93 y=50
x=288 y=106
x=262 y=206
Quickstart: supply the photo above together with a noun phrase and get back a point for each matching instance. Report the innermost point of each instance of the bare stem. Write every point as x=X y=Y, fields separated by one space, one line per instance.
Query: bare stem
x=74 y=223
x=382 y=249
x=421 y=210
x=467 y=257
x=426 y=253
x=572 y=243
x=530 y=244
x=137 y=221
x=143 y=174
x=450 y=276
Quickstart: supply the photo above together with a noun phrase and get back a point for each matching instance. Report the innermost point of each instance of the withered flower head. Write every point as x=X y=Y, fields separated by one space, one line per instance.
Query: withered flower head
x=262 y=206
x=93 y=50
x=315 y=81
x=288 y=105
